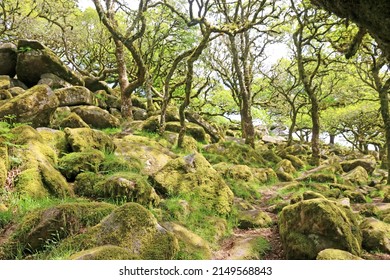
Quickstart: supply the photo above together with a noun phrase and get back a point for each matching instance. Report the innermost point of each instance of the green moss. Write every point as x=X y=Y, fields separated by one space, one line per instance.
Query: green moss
x=73 y=121
x=253 y=219
x=193 y=174
x=271 y=157
x=132 y=227
x=113 y=163
x=312 y=225
x=376 y=235
x=73 y=164
x=55 y=139
x=335 y=254
x=40 y=226
x=192 y=246
x=29 y=183
x=106 y=252
x=127 y=186
x=82 y=139
x=234 y=153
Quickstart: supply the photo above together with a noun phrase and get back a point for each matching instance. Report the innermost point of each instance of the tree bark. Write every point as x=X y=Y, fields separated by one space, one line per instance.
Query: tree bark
x=315 y=140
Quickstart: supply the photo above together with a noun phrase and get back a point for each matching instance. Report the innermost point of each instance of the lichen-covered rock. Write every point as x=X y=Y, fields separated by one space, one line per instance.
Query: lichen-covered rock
x=253 y=219
x=83 y=139
x=73 y=121
x=53 y=81
x=357 y=176
x=40 y=226
x=368 y=164
x=192 y=246
x=74 y=96
x=376 y=235
x=8 y=57
x=34 y=106
x=106 y=252
x=194 y=174
x=336 y=254
x=132 y=227
x=310 y=226
x=73 y=164
x=96 y=117
x=152 y=154
x=34 y=59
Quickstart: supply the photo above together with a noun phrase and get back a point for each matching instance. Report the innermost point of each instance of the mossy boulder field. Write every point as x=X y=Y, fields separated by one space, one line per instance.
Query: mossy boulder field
x=199 y=130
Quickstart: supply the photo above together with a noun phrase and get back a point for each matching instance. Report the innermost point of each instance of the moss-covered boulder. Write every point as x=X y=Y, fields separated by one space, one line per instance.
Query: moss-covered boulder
x=295 y=161
x=285 y=170
x=73 y=121
x=270 y=156
x=368 y=164
x=132 y=227
x=96 y=117
x=355 y=196
x=35 y=59
x=194 y=174
x=321 y=177
x=34 y=106
x=253 y=219
x=376 y=235
x=74 y=96
x=235 y=153
x=73 y=164
x=40 y=227
x=37 y=162
x=55 y=139
x=106 y=252
x=83 y=139
x=357 y=176
x=310 y=226
x=123 y=186
x=192 y=246
x=336 y=254
x=151 y=153
x=192 y=129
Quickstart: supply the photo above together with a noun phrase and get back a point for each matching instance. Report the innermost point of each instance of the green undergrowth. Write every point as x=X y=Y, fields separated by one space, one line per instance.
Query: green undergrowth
x=190 y=211
x=18 y=207
x=261 y=247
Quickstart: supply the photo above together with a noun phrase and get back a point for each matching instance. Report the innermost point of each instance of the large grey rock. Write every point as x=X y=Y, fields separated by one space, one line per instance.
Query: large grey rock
x=96 y=117
x=35 y=59
x=8 y=58
x=73 y=96
x=53 y=81
x=35 y=106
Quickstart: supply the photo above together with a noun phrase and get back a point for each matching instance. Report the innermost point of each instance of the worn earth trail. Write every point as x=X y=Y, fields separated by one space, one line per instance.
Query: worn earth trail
x=236 y=246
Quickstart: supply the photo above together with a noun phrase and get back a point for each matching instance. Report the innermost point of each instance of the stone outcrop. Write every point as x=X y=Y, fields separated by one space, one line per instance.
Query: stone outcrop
x=35 y=106
x=35 y=59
